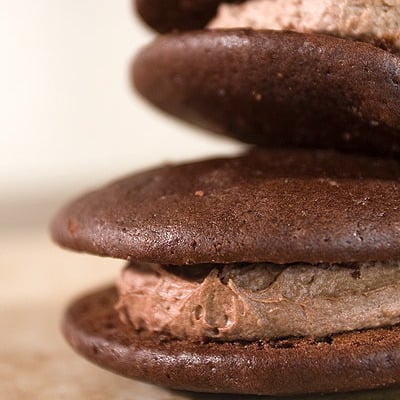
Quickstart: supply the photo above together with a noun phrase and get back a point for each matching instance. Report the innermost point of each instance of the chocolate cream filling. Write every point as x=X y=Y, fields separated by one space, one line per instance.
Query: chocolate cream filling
x=374 y=21
x=259 y=301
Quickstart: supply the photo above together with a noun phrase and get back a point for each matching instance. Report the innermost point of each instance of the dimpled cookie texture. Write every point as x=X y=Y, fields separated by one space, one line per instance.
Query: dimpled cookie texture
x=278 y=206
x=274 y=88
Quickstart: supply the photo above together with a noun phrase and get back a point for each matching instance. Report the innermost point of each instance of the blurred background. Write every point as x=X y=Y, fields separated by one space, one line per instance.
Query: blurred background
x=68 y=119
x=68 y=122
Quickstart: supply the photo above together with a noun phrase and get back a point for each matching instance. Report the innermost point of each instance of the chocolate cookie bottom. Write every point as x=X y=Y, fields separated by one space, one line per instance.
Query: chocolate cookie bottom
x=342 y=363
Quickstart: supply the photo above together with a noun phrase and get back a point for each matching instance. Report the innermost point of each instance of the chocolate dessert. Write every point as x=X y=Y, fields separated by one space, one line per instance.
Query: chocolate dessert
x=275 y=272
x=285 y=73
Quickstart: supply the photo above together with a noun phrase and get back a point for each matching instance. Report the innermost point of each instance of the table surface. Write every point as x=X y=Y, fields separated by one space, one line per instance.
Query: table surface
x=36 y=282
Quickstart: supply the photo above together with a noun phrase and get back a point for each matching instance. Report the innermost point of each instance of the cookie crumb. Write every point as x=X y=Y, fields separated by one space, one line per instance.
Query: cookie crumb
x=73 y=226
x=199 y=193
x=257 y=96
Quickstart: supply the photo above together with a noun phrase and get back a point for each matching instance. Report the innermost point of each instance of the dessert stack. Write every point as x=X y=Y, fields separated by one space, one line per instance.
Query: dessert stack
x=277 y=271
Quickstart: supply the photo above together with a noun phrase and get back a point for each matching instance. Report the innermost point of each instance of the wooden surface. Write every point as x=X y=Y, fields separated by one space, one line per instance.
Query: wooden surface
x=36 y=281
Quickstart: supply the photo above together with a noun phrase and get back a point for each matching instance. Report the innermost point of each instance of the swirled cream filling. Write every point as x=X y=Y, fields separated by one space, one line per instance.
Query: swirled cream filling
x=259 y=301
x=376 y=21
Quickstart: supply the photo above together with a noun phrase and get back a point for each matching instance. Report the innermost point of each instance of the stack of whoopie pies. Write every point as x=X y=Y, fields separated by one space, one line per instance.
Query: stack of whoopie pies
x=275 y=272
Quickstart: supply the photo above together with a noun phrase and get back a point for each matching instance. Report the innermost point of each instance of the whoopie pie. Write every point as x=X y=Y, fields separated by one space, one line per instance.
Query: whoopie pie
x=275 y=272
x=282 y=73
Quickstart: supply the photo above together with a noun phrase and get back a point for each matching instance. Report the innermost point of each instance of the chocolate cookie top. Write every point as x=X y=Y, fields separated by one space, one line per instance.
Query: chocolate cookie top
x=169 y=15
x=280 y=206
x=277 y=88
x=353 y=361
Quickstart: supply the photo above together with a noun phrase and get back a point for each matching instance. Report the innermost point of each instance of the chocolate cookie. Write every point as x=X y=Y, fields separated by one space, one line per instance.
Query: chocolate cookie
x=277 y=88
x=280 y=206
x=346 y=362
x=169 y=15
x=298 y=209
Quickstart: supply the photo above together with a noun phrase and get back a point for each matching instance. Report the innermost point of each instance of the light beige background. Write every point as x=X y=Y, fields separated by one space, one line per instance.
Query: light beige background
x=68 y=118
